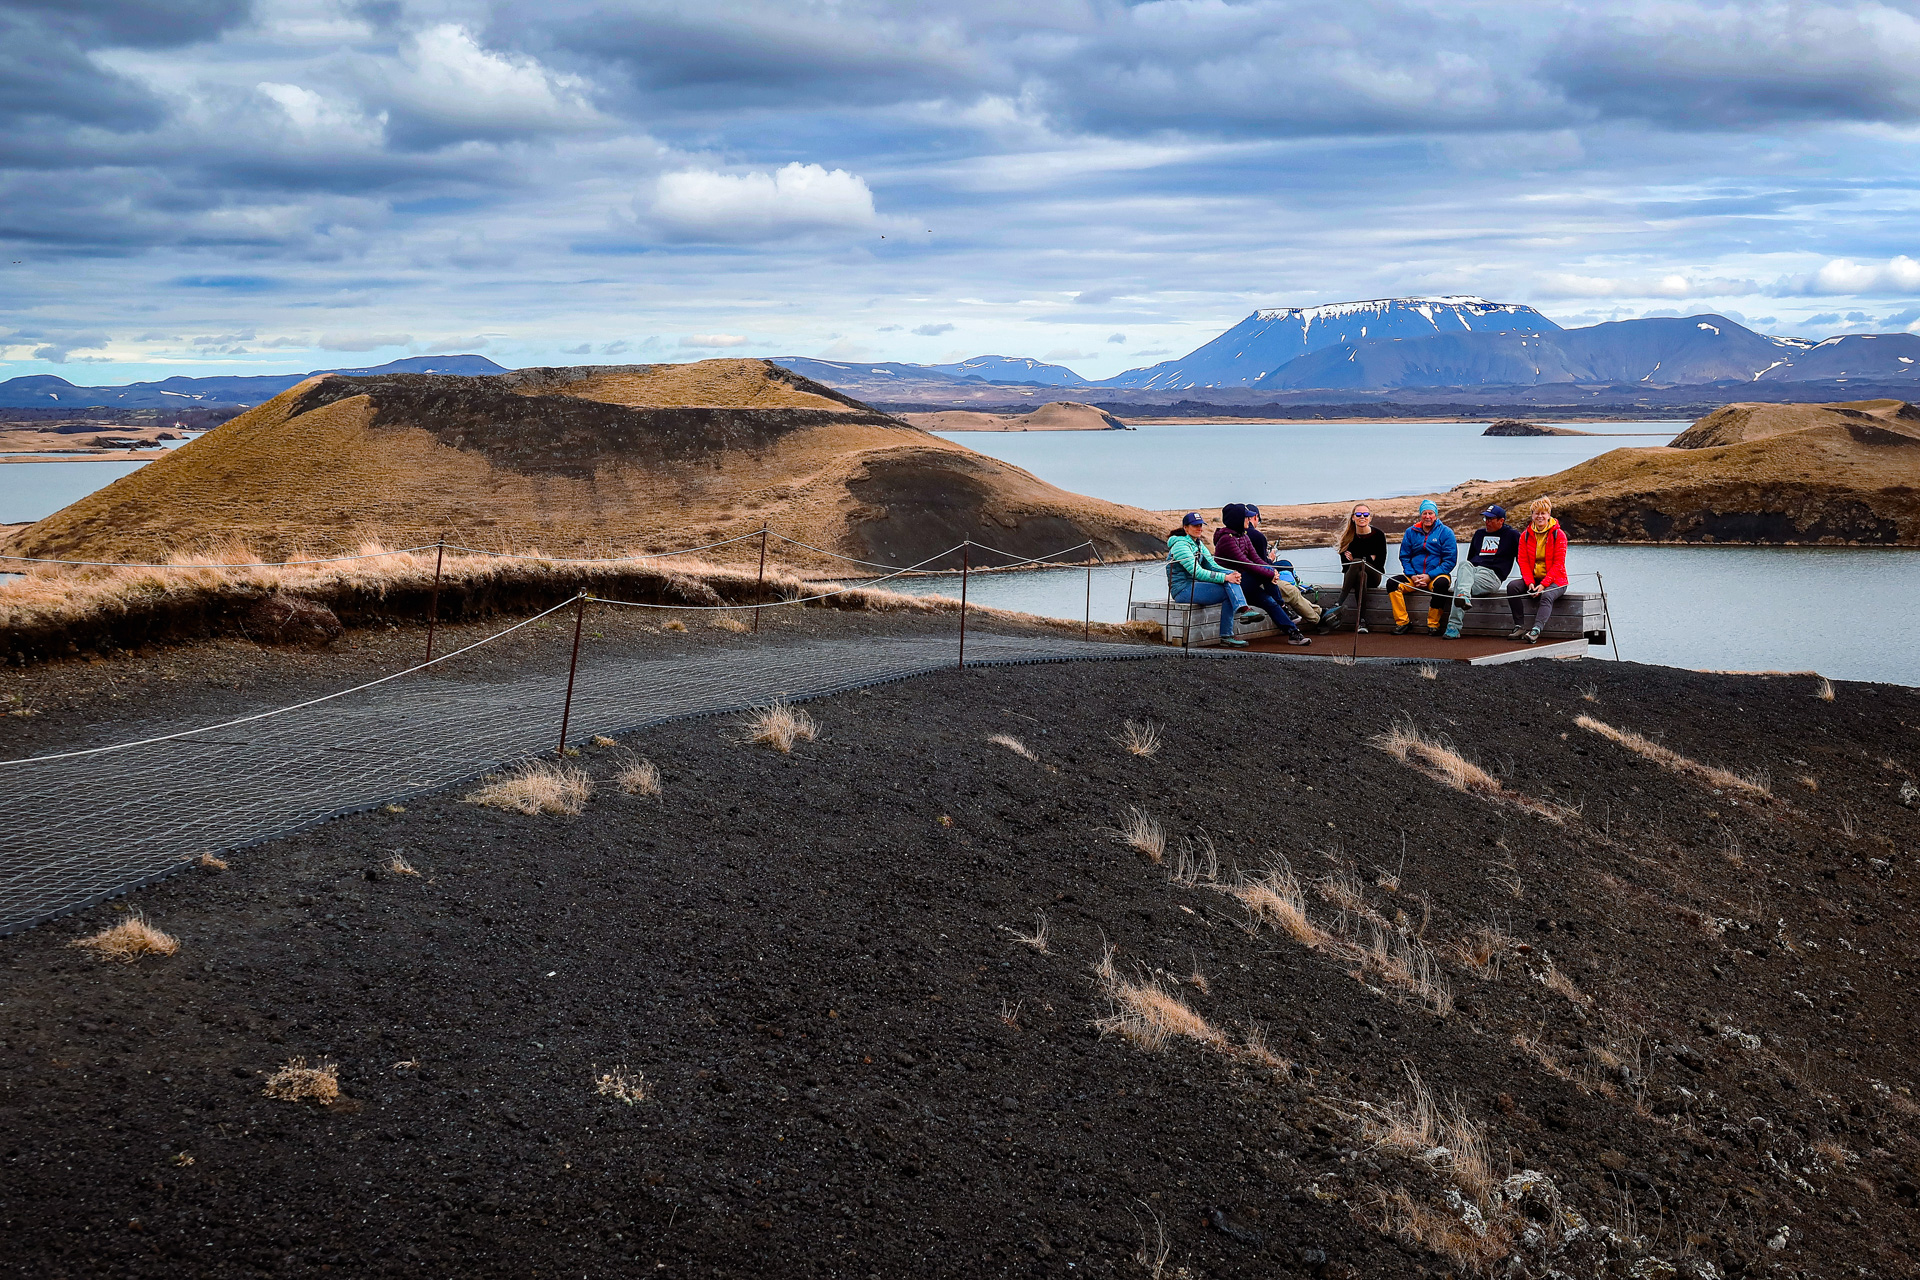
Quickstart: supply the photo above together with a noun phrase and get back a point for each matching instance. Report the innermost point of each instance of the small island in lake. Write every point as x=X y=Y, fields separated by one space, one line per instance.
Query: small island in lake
x=1515 y=427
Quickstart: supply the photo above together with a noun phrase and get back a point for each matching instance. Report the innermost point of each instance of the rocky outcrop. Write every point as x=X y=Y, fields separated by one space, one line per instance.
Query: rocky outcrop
x=1515 y=427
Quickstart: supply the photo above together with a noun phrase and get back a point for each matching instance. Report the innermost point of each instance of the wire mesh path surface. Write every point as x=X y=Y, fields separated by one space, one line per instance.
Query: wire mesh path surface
x=80 y=830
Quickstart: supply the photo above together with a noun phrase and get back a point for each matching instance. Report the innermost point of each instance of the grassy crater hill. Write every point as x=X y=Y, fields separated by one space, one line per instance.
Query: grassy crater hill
x=1782 y=474
x=579 y=461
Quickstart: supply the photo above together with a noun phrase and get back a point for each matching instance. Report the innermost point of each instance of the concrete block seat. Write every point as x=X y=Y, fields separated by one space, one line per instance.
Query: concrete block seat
x=1576 y=616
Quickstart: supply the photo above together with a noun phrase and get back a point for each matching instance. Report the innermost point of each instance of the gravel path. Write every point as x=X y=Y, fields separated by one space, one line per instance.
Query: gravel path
x=85 y=829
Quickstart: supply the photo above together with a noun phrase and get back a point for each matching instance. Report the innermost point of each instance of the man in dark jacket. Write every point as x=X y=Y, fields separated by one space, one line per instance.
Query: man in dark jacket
x=1292 y=595
x=1490 y=553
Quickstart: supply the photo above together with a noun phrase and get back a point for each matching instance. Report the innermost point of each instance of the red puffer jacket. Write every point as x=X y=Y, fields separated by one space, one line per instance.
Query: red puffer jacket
x=1235 y=553
x=1556 y=575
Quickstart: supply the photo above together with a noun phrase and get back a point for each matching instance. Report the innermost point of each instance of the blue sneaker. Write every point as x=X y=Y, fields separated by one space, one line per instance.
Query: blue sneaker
x=1453 y=631
x=1233 y=641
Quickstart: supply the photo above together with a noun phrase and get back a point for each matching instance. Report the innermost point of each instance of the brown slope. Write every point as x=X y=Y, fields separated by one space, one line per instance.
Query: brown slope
x=1751 y=473
x=580 y=462
x=1060 y=415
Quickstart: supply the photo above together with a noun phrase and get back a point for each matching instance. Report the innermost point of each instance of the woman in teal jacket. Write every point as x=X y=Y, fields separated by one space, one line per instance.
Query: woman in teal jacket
x=1195 y=577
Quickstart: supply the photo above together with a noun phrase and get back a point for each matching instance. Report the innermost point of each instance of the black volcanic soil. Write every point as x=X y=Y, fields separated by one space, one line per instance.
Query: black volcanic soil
x=857 y=1070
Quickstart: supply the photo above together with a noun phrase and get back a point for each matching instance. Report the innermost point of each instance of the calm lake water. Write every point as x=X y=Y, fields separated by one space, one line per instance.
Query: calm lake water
x=31 y=490
x=1208 y=464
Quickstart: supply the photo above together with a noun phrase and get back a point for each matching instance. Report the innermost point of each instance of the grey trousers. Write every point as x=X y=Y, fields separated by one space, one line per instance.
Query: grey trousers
x=1544 y=602
x=1471 y=580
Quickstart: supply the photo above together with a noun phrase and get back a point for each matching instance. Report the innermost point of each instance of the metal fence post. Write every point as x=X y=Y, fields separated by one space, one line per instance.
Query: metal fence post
x=760 y=583
x=964 y=546
x=566 y=714
x=433 y=605
x=1606 y=613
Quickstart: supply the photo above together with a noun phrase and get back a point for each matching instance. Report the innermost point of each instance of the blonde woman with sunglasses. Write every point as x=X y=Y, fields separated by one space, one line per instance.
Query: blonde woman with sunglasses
x=1363 y=562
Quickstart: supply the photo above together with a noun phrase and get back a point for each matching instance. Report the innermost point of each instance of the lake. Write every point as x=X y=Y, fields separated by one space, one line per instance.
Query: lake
x=1208 y=464
x=32 y=490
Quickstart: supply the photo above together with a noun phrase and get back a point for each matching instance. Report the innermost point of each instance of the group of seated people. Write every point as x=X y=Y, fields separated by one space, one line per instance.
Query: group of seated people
x=1242 y=573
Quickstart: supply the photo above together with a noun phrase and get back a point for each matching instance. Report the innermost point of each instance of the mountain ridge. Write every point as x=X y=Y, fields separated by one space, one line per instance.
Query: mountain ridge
x=48 y=390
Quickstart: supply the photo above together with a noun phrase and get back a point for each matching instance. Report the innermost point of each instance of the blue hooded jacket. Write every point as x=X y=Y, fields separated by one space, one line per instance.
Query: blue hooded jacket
x=1432 y=553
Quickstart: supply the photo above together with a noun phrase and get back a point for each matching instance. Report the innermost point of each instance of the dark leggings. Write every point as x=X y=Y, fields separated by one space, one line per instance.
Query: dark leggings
x=1518 y=595
x=1262 y=596
x=1357 y=577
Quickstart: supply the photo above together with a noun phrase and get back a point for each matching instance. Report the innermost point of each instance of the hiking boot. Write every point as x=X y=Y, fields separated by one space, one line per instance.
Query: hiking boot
x=1234 y=642
x=1360 y=626
x=1532 y=637
x=1453 y=631
x=1401 y=629
x=1518 y=633
x=1249 y=616
x=1295 y=638
x=1329 y=620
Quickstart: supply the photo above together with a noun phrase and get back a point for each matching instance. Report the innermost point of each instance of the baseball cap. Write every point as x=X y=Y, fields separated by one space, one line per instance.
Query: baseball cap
x=1192 y=517
x=1495 y=510
x=1429 y=505
x=1252 y=510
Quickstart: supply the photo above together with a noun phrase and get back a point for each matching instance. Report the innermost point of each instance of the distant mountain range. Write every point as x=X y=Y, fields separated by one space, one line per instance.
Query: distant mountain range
x=47 y=391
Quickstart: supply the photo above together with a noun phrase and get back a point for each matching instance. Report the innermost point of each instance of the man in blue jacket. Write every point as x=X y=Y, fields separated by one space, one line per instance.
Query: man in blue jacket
x=1428 y=554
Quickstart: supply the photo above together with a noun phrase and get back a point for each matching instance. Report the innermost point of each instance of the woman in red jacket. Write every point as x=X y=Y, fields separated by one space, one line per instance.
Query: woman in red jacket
x=1543 y=571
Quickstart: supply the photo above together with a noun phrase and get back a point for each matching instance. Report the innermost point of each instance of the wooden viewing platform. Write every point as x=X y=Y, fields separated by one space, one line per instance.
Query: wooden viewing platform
x=1579 y=621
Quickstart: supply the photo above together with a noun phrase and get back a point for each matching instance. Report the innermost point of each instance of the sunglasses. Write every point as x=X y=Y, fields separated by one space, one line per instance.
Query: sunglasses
x=1363 y=515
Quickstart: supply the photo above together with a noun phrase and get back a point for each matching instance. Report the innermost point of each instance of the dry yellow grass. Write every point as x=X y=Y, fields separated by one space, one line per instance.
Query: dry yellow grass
x=1405 y=967
x=1274 y=897
x=540 y=786
x=1483 y=950
x=1824 y=690
x=1671 y=760
x=1014 y=745
x=212 y=863
x=1477 y=1252
x=1144 y=833
x=1038 y=938
x=128 y=941
x=1150 y=1015
x=1140 y=737
x=623 y=1085
x=722 y=622
x=1439 y=761
x=601 y=740
x=641 y=778
x=298 y=1082
x=780 y=725
x=1429 y=671
x=399 y=866
x=1255 y=1049
x=673 y=624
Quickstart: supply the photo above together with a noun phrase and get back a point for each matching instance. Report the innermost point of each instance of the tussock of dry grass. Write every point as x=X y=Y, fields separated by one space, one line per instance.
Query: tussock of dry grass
x=1441 y=1232
x=1824 y=690
x=1148 y=1014
x=298 y=1082
x=1140 y=737
x=623 y=1085
x=1038 y=938
x=399 y=866
x=1142 y=832
x=1014 y=745
x=1439 y=761
x=1428 y=671
x=780 y=725
x=1195 y=860
x=1405 y=967
x=673 y=624
x=211 y=863
x=1274 y=897
x=725 y=622
x=1673 y=761
x=601 y=740
x=1344 y=892
x=1482 y=950
x=540 y=786
x=1557 y=981
x=1256 y=1050
x=641 y=778
x=128 y=941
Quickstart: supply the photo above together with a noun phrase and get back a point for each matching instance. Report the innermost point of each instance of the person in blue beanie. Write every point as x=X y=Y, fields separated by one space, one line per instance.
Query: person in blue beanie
x=1194 y=577
x=1428 y=554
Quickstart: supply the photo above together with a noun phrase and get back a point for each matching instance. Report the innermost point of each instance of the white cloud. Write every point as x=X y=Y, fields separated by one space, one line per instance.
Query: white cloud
x=933 y=330
x=705 y=205
x=447 y=87
x=713 y=340
x=362 y=341
x=1565 y=285
x=1844 y=276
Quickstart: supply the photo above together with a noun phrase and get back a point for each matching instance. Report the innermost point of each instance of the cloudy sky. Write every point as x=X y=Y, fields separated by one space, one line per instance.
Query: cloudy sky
x=206 y=186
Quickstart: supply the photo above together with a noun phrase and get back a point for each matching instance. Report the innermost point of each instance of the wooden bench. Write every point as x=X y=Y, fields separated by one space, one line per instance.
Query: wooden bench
x=1576 y=615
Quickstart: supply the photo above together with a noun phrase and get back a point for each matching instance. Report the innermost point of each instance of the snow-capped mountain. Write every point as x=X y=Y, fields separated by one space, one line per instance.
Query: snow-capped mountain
x=1012 y=369
x=1656 y=351
x=1246 y=354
